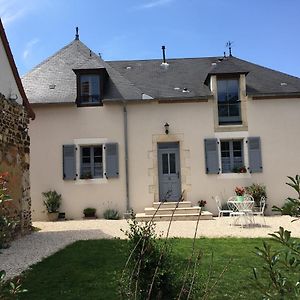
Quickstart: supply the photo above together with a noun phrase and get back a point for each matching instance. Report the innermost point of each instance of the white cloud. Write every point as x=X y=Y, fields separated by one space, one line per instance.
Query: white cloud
x=153 y=4
x=12 y=10
x=29 y=47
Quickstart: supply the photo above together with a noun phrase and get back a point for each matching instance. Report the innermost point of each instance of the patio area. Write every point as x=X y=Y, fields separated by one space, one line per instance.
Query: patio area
x=54 y=236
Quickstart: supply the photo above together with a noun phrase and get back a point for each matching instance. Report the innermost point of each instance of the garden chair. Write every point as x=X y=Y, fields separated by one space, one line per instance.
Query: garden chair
x=220 y=210
x=261 y=211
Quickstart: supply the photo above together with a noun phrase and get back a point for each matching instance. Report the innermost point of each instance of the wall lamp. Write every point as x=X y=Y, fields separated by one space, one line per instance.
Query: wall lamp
x=166 y=128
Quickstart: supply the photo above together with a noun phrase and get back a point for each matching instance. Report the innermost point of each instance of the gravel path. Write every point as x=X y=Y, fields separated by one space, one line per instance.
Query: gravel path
x=54 y=236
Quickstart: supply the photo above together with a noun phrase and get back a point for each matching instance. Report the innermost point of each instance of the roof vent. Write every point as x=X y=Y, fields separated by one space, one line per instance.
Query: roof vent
x=164 y=65
x=52 y=86
x=283 y=84
x=185 y=90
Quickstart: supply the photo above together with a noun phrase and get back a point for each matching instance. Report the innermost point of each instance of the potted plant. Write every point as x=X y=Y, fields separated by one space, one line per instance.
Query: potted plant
x=202 y=203
x=89 y=213
x=111 y=214
x=52 y=202
x=239 y=170
x=239 y=191
x=257 y=191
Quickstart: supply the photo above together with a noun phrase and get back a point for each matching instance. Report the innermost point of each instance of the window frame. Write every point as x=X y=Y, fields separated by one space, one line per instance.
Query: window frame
x=92 y=161
x=85 y=142
x=232 y=156
x=229 y=120
x=102 y=75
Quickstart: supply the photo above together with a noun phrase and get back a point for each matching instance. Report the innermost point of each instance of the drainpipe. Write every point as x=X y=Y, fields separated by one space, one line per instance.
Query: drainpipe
x=126 y=156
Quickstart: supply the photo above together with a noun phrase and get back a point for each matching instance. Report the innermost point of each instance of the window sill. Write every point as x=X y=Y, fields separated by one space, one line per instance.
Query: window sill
x=234 y=175
x=91 y=181
x=226 y=128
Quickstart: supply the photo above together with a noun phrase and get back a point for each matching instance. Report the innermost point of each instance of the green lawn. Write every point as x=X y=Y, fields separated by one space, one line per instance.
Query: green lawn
x=88 y=269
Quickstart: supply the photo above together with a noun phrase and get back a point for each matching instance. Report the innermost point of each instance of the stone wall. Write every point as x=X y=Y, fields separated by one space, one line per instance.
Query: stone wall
x=14 y=157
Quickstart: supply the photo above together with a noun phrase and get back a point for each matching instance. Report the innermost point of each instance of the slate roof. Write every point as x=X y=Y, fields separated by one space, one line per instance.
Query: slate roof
x=57 y=71
x=128 y=80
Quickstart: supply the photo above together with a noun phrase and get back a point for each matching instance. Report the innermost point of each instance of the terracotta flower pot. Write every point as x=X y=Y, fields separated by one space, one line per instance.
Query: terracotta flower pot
x=53 y=216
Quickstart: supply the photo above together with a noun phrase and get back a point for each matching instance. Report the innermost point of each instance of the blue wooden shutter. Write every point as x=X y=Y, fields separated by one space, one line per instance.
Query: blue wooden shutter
x=69 y=162
x=211 y=156
x=254 y=150
x=112 y=160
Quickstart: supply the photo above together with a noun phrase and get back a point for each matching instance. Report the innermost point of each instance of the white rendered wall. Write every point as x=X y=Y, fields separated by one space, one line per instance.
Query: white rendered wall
x=8 y=86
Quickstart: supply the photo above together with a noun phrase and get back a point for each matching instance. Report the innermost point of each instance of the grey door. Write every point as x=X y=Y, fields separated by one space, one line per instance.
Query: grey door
x=169 y=171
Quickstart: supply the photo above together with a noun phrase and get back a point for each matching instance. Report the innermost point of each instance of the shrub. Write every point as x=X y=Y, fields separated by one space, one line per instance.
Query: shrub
x=292 y=205
x=9 y=289
x=7 y=222
x=111 y=214
x=52 y=201
x=89 y=212
x=280 y=267
x=146 y=252
x=257 y=191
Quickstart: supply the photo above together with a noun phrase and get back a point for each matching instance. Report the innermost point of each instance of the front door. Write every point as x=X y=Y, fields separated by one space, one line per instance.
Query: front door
x=169 y=171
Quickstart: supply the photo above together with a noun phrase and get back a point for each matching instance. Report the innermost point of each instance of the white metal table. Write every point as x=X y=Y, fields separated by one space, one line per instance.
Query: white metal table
x=242 y=211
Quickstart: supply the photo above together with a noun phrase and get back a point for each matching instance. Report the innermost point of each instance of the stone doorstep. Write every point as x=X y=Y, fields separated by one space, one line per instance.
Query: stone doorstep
x=206 y=215
x=169 y=210
x=172 y=204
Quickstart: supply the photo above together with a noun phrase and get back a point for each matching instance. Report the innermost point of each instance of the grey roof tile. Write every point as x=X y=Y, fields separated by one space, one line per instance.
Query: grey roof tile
x=128 y=80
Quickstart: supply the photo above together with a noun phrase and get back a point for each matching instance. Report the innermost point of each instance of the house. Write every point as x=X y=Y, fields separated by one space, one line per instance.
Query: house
x=125 y=134
x=15 y=113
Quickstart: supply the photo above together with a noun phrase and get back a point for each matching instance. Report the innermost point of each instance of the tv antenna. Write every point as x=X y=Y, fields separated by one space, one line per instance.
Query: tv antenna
x=229 y=45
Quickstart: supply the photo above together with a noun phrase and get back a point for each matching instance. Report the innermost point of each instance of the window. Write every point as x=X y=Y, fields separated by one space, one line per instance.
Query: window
x=229 y=106
x=89 y=92
x=232 y=156
x=91 y=162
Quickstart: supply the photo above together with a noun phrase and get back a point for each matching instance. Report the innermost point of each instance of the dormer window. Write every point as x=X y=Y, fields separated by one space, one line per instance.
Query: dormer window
x=90 y=86
x=229 y=104
x=90 y=89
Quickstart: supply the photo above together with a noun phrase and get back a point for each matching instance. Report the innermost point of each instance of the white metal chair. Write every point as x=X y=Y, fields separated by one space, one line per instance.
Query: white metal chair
x=261 y=211
x=220 y=210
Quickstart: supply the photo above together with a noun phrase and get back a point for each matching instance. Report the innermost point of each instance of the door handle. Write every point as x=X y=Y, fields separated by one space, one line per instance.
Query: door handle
x=178 y=175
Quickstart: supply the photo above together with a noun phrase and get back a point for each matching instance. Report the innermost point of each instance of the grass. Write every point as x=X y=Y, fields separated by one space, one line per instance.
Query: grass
x=89 y=269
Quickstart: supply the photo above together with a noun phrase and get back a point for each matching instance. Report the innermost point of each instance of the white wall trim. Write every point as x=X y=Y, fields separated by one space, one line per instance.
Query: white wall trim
x=90 y=141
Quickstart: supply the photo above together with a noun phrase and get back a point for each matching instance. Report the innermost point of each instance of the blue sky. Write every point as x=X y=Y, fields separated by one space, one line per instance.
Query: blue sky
x=266 y=32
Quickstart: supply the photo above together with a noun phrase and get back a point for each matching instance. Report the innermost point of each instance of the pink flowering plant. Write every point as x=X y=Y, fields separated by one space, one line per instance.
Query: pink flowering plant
x=240 y=191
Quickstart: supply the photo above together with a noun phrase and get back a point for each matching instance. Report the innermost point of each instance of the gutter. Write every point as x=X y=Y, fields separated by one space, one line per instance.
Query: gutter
x=275 y=95
x=126 y=157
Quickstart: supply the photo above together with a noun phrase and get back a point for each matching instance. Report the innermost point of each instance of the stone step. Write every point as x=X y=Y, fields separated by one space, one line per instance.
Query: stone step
x=172 y=204
x=206 y=215
x=169 y=210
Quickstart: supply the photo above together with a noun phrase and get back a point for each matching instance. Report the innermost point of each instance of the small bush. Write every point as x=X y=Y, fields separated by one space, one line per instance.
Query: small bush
x=292 y=205
x=89 y=212
x=257 y=191
x=52 y=201
x=111 y=214
x=278 y=275
x=9 y=289
x=7 y=222
x=149 y=258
